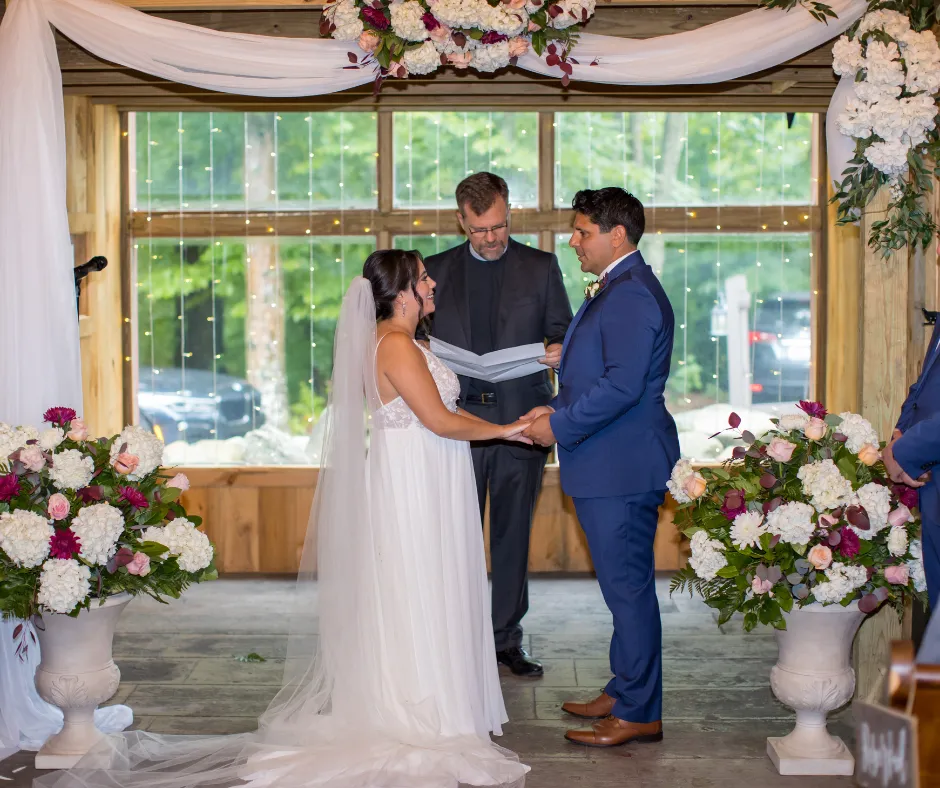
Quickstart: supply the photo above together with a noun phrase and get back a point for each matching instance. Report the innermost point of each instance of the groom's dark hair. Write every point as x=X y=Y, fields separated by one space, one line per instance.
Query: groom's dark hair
x=611 y=206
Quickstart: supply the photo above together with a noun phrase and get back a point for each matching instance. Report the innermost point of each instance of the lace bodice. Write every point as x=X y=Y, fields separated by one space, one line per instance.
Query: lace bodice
x=396 y=415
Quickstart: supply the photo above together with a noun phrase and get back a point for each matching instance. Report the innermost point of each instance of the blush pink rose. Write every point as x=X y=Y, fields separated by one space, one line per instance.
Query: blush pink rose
x=869 y=454
x=398 y=70
x=820 y=556
x=897 y=575
x=368 y=41
x=460 y=59
x=815 y=429
x=515 y=5
x=759 y=586
x=58 y=507
x=518 y=46
x=77 y=431
x=126 y=463
x=440 y=34
x=781 y=450
x=32 y=458
x=900 y=516
x=139 y=565
x=180 y=481
x=695 y=486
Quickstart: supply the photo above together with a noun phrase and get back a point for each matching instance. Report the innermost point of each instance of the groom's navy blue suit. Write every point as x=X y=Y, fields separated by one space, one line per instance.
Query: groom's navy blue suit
x=617 y=445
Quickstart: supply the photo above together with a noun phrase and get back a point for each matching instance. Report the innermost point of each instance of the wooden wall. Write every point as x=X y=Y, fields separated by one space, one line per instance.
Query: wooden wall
x=257 y=518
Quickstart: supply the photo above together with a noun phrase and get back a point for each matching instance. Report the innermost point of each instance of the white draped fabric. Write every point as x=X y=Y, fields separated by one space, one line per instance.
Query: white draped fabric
x=39 y=356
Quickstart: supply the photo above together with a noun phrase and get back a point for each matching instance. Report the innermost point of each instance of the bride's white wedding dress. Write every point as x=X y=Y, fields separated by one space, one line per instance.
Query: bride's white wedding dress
x=391 y=678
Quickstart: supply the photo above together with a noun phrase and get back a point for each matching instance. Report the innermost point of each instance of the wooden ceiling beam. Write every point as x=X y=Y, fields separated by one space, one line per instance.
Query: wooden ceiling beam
x=229 y=5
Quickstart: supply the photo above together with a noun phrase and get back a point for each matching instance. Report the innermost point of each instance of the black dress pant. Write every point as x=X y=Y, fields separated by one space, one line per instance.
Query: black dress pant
x=513 y=483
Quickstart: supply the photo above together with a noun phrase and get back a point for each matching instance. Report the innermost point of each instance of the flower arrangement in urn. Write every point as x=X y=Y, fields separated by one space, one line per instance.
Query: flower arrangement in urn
x=803 y=514
x=84 y=519
x=418 y=36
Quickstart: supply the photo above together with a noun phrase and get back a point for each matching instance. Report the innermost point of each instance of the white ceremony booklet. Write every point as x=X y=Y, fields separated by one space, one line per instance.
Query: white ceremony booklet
x=495 y=367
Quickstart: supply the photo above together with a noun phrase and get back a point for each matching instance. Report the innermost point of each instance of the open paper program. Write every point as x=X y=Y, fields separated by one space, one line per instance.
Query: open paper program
x=496 y=367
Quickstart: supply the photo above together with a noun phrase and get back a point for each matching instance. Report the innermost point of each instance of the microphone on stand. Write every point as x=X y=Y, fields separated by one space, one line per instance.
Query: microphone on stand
x=96 y=263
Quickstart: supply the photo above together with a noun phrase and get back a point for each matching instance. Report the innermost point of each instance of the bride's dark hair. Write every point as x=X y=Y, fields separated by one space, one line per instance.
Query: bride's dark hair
x=391 y=271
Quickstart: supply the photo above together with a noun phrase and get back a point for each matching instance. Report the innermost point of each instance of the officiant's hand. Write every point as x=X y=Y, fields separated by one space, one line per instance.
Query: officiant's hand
x=540 y=431
x=552 y=357
x=539 y=410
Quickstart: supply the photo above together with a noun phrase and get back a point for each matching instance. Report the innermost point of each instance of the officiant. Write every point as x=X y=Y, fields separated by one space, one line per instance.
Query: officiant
x=494 y=293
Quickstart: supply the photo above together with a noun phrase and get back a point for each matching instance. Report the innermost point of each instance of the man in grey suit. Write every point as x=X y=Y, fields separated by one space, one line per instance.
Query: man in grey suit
x=493 y=293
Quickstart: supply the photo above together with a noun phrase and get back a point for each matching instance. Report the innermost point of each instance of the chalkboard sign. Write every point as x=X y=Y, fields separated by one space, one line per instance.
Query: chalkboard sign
x=885 y=747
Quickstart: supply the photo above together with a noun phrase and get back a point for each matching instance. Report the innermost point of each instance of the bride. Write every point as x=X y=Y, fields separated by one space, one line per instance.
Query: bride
x=394 y=684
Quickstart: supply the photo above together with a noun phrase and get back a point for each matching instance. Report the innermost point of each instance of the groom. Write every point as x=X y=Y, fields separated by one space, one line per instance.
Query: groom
x=617 y=444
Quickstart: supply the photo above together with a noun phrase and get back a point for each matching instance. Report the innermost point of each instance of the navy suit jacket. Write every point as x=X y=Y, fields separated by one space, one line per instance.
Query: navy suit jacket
x=615 y=436
x=918 y=449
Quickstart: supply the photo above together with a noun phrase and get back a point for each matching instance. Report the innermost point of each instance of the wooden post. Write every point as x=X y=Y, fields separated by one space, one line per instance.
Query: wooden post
x=93 y=196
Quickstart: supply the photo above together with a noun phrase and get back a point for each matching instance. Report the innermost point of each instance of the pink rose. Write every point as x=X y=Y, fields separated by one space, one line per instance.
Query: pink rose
x=58 y=507
x=781 y=450
x=139 y=565
x=759 y=586
x=820 y=556
x=900 y=516
x=815 y=429
x=126 y=463
x=897 y=575
x=396 y=69
x=869 y=454
x=515 y=5
x=440 y=34
x=180 y=481
x=518 y=46
x=368 y=41
x=695 y=486
x=460 y=59
x=32 y=458
x=77 y=431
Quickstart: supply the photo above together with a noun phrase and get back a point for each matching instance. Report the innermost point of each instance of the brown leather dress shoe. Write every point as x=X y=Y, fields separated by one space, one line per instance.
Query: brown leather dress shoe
x=612 y=732
x=601 y=706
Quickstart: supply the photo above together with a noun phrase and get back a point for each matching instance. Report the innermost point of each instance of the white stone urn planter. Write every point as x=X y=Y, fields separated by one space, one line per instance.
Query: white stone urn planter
x=76 y=673
x=814 y=676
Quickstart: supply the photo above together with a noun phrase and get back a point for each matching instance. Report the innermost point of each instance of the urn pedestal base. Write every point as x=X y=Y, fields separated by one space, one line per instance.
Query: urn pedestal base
x=840 y=762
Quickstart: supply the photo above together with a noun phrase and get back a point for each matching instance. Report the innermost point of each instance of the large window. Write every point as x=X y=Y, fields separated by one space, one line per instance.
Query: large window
x=248 y=227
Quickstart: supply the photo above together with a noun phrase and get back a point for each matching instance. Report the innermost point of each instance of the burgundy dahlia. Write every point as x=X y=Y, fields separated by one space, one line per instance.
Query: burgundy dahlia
x=492 y=37
x=430 y=21
x=376 y=18
x=733 y=504
x=132 y=496
x=59 y=416
x=64 y=544
x=9 y=487
x=906 y=495
x=814 y=410
x=849 y=545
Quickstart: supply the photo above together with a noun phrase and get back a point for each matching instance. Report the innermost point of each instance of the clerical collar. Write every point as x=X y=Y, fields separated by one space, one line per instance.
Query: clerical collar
x=478 y=256
x=615 y=263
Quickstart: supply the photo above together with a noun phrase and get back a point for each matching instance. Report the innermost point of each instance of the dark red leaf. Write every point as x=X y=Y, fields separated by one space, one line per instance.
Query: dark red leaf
x=834 y=538
x=443 y=60
x=868 y=603
x=325 y=25
x=767 y=481
x=460 y=39
x=565 y=80
x=513 y=61
x=774 y=540
x=16 y=630
x=753 y=453
x=566 y=67
x=881 y=593
x=748 y=437
x=838 y=436
x=734 y=420
x=352 y=57
x=551 y=49
x=572 y=60
x=858 y=518
x=738 y=453
x=552 y=60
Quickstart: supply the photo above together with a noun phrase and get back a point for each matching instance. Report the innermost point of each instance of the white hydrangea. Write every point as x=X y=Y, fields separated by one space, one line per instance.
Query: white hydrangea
x=460 y=13
x=345 y=16
x=423 y=59
x=51 y=438
x=876 y=500
x=144 y=445
x=895 y=24
x=491 y=57
x=71 y=470
x=897 y=541
x=888 y=157
x=24 y=537
x=192 y=547
x=12 y=439
x=882 y=64
x=747 y=529
x=825 y=485
x=915 y=566
x=63 y=584
x=843 y=580
x=407 y=22
x=922 y=58
x=681 y=472
x=856 y=119
x=858 y=431
x=707 y=556
x=847 y=56
x=572 y=13
x=503 y=19
x=98 y=528
x=792 y=421
x=792 y=522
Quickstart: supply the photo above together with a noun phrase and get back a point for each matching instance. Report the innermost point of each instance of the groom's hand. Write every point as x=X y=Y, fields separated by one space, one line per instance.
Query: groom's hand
x=540 y=431
x=552 y=357
x=537 y=411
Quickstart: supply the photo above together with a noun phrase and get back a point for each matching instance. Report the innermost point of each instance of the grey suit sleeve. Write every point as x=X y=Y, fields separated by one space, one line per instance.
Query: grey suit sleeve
x=557 y=306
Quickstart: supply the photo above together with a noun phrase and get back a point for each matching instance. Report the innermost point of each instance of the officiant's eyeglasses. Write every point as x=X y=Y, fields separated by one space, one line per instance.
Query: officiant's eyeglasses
x=482 y=232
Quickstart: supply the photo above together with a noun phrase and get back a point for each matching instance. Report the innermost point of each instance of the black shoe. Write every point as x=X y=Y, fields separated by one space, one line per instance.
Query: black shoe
x=520 y=663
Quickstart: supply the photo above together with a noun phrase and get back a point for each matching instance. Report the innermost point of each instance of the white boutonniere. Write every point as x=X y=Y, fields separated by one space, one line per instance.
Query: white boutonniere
x=592 y=289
